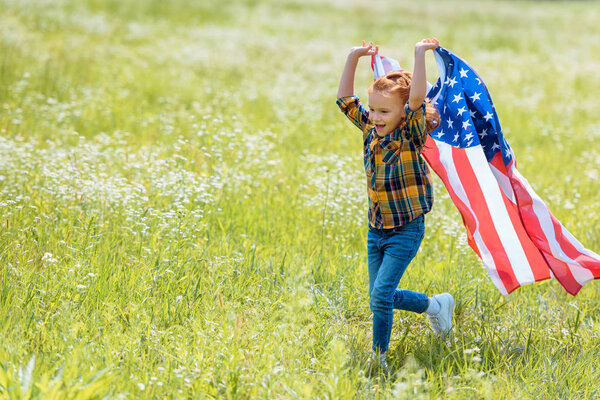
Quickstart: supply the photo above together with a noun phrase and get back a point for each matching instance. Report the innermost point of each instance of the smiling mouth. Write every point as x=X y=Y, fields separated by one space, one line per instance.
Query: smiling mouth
x=379 y=127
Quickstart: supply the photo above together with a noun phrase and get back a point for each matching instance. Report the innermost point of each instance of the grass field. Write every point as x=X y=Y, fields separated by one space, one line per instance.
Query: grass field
x=183 y=209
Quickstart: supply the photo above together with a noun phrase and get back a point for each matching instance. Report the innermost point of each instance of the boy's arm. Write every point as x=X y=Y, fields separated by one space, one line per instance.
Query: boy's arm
x=346 y=87
x=418 y=85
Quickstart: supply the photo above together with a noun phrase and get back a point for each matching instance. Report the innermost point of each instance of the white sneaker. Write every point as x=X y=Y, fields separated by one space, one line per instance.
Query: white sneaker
x=442 y=321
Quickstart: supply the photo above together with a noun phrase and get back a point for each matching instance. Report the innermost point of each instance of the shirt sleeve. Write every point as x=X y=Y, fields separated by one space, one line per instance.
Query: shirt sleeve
x=355 y=111
x=416 y=125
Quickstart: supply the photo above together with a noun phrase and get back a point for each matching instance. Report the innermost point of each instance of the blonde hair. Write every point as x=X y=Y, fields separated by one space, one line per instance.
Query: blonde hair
x=398 y=82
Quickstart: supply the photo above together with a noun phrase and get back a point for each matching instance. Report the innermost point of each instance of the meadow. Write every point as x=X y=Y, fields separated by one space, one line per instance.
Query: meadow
x=183 y=208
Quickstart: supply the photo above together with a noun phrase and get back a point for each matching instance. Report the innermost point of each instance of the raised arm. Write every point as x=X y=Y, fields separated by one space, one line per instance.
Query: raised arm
x=346 y=87
x=418 y=85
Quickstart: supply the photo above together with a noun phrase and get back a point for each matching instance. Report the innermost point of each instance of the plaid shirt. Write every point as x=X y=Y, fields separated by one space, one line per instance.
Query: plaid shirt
x=398 y=180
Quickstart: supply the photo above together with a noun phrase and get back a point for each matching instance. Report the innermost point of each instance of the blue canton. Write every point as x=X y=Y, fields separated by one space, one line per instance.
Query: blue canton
x=467 y=113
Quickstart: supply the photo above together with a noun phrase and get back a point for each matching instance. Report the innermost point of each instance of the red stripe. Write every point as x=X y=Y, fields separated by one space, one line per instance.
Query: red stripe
x=536 y=233
x=477 y=202
x=536 y=260
x=592 y=264
x=563 y=274
x=486 y=225
x=432 y=156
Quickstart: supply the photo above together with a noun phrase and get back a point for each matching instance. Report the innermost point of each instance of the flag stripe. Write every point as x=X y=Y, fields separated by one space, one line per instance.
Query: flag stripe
x=502 y=223
x=536 y=260
x=439 y=157
x=499 y=170
x=575 y=258
x=542 y=228
x=586 y=257
x=490 y=235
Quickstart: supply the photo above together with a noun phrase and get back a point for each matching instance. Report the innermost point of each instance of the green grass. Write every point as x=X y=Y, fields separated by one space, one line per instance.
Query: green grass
x=182 y=206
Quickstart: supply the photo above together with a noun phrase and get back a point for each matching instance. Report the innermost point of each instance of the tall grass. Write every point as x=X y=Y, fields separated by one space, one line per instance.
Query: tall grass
x=182 y=207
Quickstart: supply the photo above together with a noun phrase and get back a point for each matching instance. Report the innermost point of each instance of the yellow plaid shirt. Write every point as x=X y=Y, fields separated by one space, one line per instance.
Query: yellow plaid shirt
x=398 y=179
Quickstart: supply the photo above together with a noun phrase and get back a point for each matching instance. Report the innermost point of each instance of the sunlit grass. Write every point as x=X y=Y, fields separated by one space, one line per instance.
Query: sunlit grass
x=183 y=211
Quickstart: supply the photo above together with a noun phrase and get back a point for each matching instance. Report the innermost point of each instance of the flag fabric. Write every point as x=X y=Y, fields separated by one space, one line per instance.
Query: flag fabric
x=508 y=225
x=382 y=65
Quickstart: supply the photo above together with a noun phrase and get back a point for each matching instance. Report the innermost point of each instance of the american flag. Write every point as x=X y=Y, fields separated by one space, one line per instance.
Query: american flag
x=508 y=225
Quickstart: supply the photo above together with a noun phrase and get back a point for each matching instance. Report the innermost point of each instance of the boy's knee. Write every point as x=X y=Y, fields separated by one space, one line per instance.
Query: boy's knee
x=380 y=299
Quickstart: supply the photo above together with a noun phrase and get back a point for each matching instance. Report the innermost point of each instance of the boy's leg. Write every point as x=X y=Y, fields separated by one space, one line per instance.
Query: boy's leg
x=408 y=300
x=399 y=250
x=375 y=257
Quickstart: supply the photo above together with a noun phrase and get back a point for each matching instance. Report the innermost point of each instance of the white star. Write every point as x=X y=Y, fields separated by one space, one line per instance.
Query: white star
x=452 y=82
x=483 y=133
x=466 y=124
x=449 y=123
x=475 y=96
x=447 y=81
x=440 y=133
x=472 y=113
x=488 y=116
x=470 y=142
x=463 y=73
x=495 y=146
x=457 y=98
x=456 y=137
x=468 y=135
x=461 y=111
x=478 y=81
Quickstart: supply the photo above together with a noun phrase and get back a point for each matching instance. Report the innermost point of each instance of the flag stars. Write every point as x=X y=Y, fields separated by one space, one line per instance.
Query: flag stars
x=478 y=81
x=469 y=136
x=440 y=133
x=472 y=113
x=450 y=122
x=461 y=111
x=495 y=146
x=457 y=98
x=475 y=96
x=466 y=124
x=483 y=133
x=456 y=137
x=452 y=82
x=488 y=116
x=463 y=73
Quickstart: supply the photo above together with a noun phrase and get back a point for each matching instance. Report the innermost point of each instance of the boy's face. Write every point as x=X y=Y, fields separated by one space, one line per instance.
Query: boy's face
x=386 y=112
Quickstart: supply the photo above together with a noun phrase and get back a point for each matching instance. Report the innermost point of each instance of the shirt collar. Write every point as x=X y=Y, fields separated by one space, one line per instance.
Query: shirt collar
x=396 y=135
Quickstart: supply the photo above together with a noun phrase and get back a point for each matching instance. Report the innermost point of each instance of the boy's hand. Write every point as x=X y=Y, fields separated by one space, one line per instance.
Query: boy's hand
x=364 y=50
x=427 y=44
x=346 y=87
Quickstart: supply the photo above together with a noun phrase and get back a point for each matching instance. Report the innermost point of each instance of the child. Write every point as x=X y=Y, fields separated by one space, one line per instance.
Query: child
x=399 y=188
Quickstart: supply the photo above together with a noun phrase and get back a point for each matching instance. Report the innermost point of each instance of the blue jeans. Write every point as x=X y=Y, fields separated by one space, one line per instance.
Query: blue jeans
x=390 y=252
